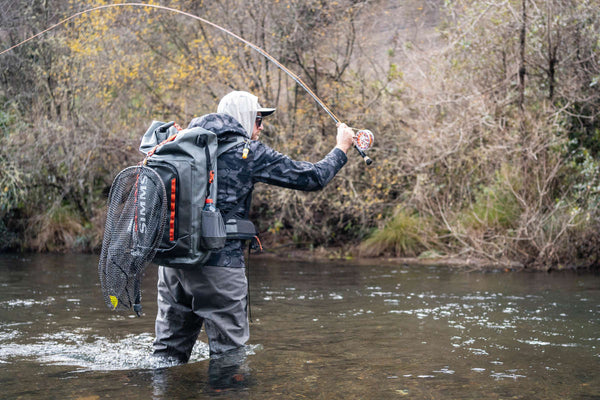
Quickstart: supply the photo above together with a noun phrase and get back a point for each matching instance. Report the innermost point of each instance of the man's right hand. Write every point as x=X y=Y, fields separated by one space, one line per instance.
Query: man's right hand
x=344 y=137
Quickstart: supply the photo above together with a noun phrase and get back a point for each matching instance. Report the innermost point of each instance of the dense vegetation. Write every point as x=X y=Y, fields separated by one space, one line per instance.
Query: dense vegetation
x=487 y=129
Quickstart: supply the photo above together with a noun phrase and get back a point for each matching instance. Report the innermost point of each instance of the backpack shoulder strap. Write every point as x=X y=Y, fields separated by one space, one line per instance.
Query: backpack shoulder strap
x=234 y=141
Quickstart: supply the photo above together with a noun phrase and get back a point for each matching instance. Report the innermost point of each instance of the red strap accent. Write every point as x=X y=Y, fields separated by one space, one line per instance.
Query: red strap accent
x=167 y=140
x=172 y=219
x=135 y=200
x=259 y=243
x=211 y=177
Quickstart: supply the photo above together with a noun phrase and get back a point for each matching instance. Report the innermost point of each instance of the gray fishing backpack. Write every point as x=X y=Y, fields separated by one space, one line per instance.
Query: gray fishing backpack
x=156 y=210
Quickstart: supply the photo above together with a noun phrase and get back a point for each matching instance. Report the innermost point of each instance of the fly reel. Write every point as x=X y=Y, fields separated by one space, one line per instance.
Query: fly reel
x=363 y=141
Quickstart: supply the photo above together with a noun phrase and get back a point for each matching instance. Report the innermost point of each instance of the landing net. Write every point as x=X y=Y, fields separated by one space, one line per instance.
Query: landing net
x=137 y=211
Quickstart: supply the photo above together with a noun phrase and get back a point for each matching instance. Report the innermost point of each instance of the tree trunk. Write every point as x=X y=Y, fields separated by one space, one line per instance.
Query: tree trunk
x=522 y=69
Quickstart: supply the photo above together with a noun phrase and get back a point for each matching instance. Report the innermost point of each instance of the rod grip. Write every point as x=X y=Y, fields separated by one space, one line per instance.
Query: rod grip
x=365 y=157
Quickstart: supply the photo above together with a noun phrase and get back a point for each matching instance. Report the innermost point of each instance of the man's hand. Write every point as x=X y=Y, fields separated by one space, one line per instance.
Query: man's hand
x=344 y=137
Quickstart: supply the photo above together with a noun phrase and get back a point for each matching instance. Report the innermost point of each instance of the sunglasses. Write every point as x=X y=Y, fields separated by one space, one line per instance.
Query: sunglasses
x=259 y=121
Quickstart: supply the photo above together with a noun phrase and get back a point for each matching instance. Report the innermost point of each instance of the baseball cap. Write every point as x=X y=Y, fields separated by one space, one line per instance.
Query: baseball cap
x=265 y=111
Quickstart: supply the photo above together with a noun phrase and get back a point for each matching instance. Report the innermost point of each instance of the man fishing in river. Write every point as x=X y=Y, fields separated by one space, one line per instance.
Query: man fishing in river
x=215 y=295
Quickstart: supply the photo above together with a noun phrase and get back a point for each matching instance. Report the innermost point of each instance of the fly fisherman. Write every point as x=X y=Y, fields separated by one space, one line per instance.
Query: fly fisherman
x=216 y=294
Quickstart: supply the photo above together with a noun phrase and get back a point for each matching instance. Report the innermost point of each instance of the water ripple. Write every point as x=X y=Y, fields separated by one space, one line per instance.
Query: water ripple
x=90 y=352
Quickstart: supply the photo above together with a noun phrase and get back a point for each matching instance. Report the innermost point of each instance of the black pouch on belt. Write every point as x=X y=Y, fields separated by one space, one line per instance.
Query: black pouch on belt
x=241 y=229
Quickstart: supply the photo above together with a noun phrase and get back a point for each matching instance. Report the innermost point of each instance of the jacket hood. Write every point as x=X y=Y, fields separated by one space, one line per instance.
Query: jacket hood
x=242 y=106
x=219 y=124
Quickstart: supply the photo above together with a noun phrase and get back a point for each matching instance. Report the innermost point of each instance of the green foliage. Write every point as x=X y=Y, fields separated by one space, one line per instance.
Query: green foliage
x=58 y=229
x=585 y=173
x=6 y=120
x=496 y=206
x=406 y=234
x=12 y=190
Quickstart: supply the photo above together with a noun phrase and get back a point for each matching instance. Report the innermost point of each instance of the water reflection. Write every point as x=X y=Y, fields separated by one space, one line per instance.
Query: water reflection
x=227 y=373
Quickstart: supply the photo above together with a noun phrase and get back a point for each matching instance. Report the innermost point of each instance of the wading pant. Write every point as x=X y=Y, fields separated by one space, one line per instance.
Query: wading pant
x=187 y=299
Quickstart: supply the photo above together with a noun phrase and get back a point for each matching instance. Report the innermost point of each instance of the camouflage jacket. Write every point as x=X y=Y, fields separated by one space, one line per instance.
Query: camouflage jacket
x=237 y=176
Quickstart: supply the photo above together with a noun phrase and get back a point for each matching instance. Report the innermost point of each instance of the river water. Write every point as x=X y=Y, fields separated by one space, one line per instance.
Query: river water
x=319 y=331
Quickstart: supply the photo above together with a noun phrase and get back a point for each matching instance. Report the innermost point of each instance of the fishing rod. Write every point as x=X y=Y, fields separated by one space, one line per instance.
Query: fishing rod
x=363 y=139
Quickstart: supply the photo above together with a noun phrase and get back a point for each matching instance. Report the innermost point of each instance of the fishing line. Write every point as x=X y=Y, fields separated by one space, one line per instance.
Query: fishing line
x=241 y=39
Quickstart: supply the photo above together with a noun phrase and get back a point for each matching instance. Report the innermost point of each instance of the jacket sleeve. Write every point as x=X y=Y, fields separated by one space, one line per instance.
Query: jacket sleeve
x=274 y=168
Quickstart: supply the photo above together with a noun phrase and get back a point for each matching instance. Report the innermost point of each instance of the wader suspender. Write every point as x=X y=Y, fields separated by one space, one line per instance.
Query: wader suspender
x=246 y=202
x=227 y=217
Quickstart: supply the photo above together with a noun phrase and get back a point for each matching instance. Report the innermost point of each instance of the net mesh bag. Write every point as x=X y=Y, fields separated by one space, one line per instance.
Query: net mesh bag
x=135 y=220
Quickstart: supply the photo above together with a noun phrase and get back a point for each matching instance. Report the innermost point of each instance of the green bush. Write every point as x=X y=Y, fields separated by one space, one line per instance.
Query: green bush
x=406 y=234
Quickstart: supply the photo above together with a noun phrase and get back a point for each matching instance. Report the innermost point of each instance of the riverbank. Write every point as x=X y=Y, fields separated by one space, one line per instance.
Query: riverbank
x=338 y=254
x=321 y=254
x=285 y=253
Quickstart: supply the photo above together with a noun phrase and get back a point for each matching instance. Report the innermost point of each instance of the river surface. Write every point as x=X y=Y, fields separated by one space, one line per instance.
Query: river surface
x=319 y=331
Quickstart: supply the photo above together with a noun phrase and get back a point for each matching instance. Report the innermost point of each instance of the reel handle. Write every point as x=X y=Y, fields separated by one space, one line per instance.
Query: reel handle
x=365 y=157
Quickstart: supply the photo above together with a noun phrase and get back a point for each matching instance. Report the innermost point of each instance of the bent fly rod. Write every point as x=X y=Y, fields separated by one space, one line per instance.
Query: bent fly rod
x=363 y=139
